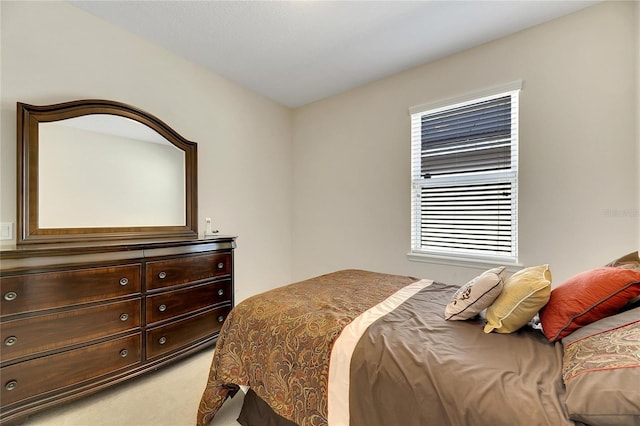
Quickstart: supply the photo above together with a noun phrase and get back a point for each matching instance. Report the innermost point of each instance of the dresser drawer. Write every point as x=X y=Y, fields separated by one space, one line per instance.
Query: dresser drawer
x=165 y=273
x=32 y=292
x=38 y=376
x=45 y=332
x=166 y=305
x=182 y=333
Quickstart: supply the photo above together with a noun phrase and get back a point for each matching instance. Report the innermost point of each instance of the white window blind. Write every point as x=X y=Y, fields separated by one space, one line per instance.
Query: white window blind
x=465 y=176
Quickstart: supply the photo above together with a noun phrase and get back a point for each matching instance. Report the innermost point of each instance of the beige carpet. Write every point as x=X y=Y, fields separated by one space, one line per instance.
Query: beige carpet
x=167 y=397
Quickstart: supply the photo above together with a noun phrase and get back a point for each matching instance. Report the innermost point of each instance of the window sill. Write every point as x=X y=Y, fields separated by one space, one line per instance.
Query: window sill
x=465 y=262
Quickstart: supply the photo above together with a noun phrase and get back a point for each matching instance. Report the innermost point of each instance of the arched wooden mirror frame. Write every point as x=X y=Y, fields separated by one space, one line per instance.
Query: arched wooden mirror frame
x=29 y=230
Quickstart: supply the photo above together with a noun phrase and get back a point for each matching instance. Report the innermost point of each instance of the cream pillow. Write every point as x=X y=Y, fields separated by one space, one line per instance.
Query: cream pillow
x=473 y=297
x=523 y=295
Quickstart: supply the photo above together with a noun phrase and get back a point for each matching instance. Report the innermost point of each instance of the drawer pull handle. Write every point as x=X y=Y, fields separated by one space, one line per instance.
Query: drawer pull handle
x=10 y=296
x=11 y=385
x=221 y=319
x=10 y=341
x=220 y=292
x=124 y=353
x=162 y=340
x=124 y=317
x=220 y=265
x=162 y=275
x=124 y=281
x=162 y=307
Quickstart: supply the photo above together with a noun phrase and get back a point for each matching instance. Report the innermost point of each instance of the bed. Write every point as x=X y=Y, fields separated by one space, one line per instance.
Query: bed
x=357 y=347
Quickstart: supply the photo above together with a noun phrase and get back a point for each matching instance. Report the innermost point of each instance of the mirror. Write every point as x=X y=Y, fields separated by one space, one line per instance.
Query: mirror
x=96 y=170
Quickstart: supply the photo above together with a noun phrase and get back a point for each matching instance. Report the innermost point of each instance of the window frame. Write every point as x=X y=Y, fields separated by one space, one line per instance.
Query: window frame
x=419 y=252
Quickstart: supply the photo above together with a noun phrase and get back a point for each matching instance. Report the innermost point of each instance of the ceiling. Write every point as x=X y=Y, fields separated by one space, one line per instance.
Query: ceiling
x=297 y=52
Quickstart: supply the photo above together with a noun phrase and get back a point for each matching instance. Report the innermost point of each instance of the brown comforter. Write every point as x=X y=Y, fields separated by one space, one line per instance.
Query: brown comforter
x=410 y=367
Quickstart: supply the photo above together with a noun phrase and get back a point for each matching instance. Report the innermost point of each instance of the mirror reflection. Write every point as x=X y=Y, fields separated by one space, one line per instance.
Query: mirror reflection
x=97 y=170
x=104 y=170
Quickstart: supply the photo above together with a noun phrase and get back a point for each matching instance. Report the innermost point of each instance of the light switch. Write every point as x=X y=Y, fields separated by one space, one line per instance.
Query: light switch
x=6 y=231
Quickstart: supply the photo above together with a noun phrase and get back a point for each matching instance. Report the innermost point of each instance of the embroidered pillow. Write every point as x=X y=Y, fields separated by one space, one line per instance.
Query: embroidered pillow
x=476 y=295
x=601 y=371
x=588 y=297
x=522 y=296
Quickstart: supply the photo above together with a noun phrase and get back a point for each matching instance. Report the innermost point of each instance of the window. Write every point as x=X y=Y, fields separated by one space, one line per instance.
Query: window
x=465 y=176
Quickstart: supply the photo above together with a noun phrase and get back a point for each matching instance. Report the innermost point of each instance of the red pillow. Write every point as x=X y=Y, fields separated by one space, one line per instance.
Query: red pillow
x=587 y=297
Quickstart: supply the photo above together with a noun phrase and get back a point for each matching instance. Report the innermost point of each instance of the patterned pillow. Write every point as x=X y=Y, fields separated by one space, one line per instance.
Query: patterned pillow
x=601 y=371
x=629 y=261
x=523 y=294
x=587 y=297
x=476 y=295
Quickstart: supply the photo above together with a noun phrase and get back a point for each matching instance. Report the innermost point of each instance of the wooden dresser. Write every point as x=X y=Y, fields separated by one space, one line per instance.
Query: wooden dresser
x=76 y=319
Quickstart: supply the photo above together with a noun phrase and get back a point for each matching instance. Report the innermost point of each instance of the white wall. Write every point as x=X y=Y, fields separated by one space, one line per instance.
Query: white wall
x=88 y=178
x=578 y=168
x=338 y=197
x=53 y=52
x=638 y=110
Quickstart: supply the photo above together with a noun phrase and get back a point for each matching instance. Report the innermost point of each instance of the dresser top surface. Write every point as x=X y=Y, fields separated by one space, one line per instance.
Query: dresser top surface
x=35 y=249
x=25 y=256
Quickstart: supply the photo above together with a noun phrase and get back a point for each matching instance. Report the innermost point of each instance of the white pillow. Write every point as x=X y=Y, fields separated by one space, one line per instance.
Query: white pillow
x=476 y=295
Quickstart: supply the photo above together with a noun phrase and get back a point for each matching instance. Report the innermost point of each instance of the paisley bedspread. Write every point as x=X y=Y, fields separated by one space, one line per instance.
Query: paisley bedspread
x=279 y=342
x=363 y=348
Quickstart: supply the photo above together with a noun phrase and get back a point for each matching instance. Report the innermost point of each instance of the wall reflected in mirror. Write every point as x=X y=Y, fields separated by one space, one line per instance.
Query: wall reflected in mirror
x=104 y=170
